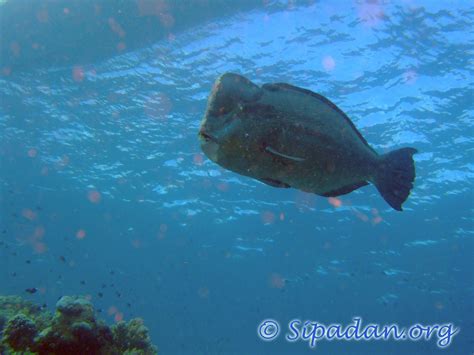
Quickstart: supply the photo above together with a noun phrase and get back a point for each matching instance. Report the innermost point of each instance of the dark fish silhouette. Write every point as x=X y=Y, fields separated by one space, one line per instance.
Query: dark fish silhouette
x=286 y=136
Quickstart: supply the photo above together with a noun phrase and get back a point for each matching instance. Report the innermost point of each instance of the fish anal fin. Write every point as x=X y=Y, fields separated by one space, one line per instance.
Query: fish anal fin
x=345 y=189
x=274 y=183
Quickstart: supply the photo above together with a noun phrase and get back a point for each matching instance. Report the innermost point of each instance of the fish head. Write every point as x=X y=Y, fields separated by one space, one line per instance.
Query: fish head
x=229 y=94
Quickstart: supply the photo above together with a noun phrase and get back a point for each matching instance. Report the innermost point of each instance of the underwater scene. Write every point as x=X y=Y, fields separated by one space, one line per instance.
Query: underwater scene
x=236 y=177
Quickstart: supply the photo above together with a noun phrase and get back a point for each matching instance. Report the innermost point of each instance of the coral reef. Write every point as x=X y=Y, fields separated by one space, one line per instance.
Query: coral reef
x=20 y=332
x=131 y=335
x=73 y=329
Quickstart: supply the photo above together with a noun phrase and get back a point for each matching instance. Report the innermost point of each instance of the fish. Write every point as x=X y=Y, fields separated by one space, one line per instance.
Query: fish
x=290 y=137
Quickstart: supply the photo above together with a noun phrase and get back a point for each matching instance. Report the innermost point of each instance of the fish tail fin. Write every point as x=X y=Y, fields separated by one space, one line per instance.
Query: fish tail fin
x=395 y=177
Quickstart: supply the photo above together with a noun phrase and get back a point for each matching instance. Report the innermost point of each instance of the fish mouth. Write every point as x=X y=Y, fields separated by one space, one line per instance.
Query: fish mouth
x=209 y=145
x=207 y=137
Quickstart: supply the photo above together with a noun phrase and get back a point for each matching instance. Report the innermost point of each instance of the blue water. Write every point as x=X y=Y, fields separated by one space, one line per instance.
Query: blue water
x=104 y=188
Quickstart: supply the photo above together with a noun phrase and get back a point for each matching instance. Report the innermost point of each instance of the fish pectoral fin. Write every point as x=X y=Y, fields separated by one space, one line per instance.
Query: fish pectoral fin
x=270 y=150
x=274 y=183
x=345 y=189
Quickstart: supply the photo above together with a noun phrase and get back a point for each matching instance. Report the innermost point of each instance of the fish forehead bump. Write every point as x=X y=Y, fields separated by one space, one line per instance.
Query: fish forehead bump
x=229 y=90
x=233 y=79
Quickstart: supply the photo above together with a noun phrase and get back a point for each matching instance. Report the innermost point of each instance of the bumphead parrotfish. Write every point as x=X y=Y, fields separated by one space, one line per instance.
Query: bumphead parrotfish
x=286 y=136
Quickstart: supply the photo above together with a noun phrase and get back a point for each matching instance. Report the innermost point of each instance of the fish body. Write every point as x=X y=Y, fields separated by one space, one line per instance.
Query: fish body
x=286 y=136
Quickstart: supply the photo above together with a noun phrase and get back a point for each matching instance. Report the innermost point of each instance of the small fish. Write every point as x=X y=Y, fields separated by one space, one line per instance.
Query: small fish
x=31 y=290
x=286 y=136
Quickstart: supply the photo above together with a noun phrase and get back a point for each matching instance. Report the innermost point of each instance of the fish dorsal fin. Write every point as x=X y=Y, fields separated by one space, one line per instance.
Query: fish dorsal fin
x=345 y=189
x=282 y=86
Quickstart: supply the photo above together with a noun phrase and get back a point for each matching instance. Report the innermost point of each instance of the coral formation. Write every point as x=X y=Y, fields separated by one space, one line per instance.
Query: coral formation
x=73 y=329
x=20 y=332
x=131 y=335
